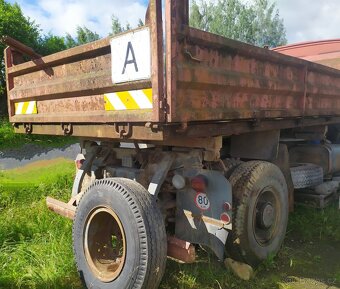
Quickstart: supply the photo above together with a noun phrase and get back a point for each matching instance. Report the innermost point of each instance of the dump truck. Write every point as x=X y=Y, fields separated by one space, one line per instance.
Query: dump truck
x=186 y=139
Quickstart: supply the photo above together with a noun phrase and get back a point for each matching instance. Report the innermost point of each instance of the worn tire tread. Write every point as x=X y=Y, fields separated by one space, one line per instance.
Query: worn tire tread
x=242 y=180
x=151 y=228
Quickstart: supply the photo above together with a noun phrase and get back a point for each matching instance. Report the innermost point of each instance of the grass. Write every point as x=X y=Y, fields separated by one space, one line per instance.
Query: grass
x=318 y=225
x=36 y=245
x=8 y=139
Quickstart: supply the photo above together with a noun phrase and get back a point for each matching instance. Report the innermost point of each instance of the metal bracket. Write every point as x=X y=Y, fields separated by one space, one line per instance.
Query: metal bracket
x=20 y=47
x=153 y=126
x=121 y=132
x=67 y=128
x=158 y=178
x=85 y=168
x=255 y=122
x=163 y=105
x=189 y=53
x=28 y=128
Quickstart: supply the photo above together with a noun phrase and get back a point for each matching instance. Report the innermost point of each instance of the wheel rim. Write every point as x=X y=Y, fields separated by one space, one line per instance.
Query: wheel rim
x=266 y=217
x=104 y=244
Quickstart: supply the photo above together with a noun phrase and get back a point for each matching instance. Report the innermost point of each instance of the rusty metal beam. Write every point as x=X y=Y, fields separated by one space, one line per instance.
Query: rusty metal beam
x=254 y=125
x=64 y=209
x=219 y=42
x=9 y=79
x=91 y=117
x=181 y=250
x=170 y=57
x=157 y=58
x=20 y=47
x=93 y=49
x=195 y=135
x=94 y=131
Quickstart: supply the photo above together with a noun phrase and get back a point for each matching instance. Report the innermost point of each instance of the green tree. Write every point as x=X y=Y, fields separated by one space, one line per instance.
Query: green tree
x=140 y=23
x=49 y=44
x=84 y=35
x=268 y=26
x=258 y=23
x=117 y=27
x=70 y=41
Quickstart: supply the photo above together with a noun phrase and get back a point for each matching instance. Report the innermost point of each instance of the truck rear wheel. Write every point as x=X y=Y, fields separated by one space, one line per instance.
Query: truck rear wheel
x=119 y=237
x=231 y=165
x=260 y=211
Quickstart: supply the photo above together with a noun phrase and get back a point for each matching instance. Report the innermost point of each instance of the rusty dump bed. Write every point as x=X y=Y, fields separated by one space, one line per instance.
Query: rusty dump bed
x=207 y=86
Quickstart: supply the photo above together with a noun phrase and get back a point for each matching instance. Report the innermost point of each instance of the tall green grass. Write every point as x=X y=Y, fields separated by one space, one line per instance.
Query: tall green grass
x=35 y=244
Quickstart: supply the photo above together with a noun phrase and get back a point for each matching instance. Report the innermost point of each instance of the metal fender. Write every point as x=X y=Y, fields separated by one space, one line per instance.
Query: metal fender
x=204 y=213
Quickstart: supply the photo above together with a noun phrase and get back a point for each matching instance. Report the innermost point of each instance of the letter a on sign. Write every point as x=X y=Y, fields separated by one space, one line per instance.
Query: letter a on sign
x=133 y=61
x=131 y=56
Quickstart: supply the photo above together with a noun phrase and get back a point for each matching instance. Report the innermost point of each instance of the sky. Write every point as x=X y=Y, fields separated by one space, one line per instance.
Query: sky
x=304 y=20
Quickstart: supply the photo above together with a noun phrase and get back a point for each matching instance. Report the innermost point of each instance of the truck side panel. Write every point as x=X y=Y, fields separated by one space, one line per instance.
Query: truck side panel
x=221 y=79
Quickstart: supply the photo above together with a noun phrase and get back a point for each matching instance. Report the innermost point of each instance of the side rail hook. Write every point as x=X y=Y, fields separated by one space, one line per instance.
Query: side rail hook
x=67 y=128
x=28 y=128
x=122 y=132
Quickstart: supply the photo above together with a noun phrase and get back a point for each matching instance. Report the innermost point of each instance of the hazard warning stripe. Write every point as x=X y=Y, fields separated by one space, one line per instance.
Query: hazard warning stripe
x=129 y=100
x=28 y=107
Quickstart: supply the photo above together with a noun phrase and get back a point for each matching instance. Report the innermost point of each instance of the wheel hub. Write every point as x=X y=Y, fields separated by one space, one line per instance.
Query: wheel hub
x=266 y=216
x=104 y=244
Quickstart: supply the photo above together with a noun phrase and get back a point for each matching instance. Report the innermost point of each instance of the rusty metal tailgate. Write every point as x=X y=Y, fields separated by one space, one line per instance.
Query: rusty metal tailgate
x=116 y=79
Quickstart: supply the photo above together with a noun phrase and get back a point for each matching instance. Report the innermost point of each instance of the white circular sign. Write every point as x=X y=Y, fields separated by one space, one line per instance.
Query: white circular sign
x=202 y=201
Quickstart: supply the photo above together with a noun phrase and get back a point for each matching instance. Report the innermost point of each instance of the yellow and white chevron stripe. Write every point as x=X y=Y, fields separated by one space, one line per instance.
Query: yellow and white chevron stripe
x=28 y=107
x=129 y=100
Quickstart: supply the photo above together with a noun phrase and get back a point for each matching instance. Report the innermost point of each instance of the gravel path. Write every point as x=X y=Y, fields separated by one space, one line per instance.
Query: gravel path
x=29 y=153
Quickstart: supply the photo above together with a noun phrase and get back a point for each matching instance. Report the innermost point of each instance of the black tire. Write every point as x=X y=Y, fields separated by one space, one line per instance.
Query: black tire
x=135 y=250
x=306 y=175
x=260 y=212
x=231 y=165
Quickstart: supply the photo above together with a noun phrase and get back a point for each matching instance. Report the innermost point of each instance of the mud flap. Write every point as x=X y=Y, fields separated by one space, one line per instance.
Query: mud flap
x=202 y=217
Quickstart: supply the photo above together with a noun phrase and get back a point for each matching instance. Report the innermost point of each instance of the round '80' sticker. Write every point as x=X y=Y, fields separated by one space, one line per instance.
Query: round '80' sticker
x=202 y=201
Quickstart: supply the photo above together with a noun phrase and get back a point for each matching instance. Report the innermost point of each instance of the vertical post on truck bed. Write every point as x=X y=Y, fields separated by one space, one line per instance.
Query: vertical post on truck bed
x=177 y=17
x=157 y=68
x=9 y=78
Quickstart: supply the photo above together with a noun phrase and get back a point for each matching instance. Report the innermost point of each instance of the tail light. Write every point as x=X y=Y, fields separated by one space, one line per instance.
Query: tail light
x=199 y=183
x=225 y=218
x=227 y=206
